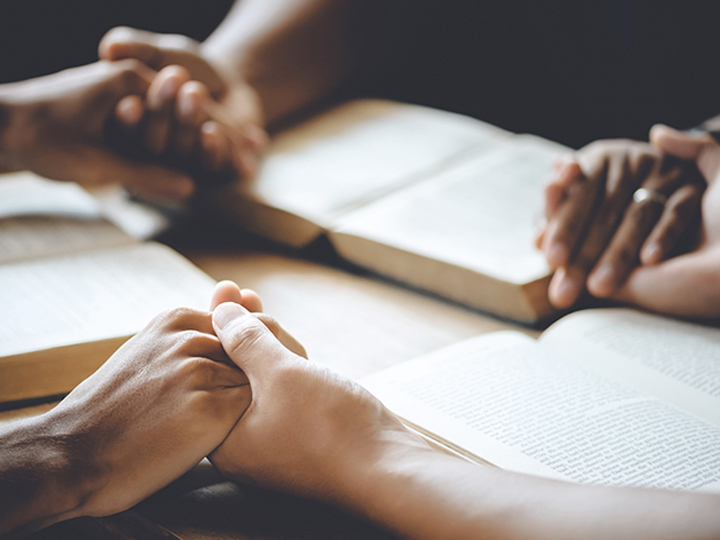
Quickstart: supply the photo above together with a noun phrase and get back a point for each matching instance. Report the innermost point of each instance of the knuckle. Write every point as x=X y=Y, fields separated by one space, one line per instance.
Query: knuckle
x=129 y=73
x=244 y=336
x=197 y=371
x=179 y=317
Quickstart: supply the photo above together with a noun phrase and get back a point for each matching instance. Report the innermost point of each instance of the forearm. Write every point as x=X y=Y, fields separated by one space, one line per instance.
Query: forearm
x=6 y=151
x=423 y=494
x=35 y=477
x=292 y=52
x=16 y=131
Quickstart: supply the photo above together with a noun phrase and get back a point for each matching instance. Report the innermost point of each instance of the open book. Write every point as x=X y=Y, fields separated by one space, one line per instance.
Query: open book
x=74 y=287
x=437 y=200
x=603 y=396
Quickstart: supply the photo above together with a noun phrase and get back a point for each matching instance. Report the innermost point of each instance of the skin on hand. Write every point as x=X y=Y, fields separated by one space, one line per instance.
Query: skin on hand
x=311 y=432
x=228 y=291
x=305 y=425
x=57 y=124
x=687 y=285
x=161 y=403
x=190 y=105
x=595 y=233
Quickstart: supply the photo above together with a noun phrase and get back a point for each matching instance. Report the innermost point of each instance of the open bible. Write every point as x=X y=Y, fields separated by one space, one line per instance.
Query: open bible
x=609 y=396
x=74 y=287
x=437 y=200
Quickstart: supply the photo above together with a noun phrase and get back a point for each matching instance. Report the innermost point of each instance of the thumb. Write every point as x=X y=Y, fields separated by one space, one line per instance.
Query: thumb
x=682 y=144
x=248 y=342
x=160 y=50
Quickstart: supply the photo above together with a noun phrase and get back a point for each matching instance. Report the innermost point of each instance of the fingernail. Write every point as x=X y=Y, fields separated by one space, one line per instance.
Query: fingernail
x=651 y=254
x=185 y=105
x=557 y=254
x=164 y=93
x=564 y=290
x=601 y=280
x=225 y=313
x=567 y=288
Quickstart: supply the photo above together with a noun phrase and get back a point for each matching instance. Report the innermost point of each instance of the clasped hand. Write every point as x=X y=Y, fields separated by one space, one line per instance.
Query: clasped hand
x=231 y=384
x=152 y=115
x=657 y=247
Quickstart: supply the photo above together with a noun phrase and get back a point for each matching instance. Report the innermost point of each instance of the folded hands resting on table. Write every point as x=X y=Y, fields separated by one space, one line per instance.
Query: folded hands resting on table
x=637 y=222
x=134 y=118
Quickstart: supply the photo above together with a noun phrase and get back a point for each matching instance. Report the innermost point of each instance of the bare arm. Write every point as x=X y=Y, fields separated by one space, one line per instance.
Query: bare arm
x=54 y=126
x=162 y=402
x=314 y=433
x=423 y=494
x=293 y=52
x=36 y=477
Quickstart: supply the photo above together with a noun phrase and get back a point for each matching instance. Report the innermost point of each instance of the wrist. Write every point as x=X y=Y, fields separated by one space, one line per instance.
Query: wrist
x=375 y=476
x=39 y=484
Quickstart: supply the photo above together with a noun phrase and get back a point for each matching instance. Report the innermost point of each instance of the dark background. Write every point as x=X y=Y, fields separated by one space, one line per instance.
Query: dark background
x=43 y=36
x=570 y=70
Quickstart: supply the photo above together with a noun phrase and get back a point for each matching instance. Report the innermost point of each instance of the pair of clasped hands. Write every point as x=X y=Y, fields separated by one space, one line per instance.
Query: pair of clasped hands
x=229 y=384
x=638 y=223
x=152 y=115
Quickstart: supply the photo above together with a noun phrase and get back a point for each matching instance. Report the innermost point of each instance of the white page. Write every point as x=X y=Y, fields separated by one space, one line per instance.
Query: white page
x=94 y=296
x=31 y=237
x=478 y=215
x=678 y=362
x=503 y=399
x=25 y=193
x=359 y=151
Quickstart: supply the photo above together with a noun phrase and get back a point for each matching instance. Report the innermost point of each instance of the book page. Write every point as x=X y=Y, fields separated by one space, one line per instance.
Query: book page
x=359 y=151
x=32 y=237
x=25 y=193
x=94 y=296
x=478 y=214
x=676 y=361
x=42 y=218
x=502 y=398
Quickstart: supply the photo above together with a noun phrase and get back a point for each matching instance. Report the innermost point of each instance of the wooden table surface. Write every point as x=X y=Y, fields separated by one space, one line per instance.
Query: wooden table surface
x=353 y=323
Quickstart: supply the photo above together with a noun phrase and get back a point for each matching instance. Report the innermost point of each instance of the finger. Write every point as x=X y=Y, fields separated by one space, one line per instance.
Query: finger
x=161 y=106
x=129 y=112
x=154 y=49
x=251 y=301
x=682 y=208
x=159 y=51
x=95 y=167
x=570 y=222
x=282 y=335
x=540 y=229
x=621 y=255
x=249 y=343
x=567 y=171
x=216 y=147
x=191 y=112
x=688 y=285
x=226 y=291
x=683 y=144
